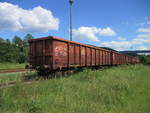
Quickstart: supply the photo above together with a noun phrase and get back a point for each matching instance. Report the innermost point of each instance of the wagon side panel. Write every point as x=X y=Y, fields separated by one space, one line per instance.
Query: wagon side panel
x=97 y=57
x=48 y=53
x=72 y=54
x=88 y=56
x=101 y=58
x=93 y=57
x=60 y=54
x=77 y=57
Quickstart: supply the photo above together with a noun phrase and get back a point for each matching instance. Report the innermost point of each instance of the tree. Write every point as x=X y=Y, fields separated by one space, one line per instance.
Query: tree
x=17 y=41
x=7 y=51
x=27 y=38
x=1 y=40
x=15 y=51
x=26 y=45
x=8 y=41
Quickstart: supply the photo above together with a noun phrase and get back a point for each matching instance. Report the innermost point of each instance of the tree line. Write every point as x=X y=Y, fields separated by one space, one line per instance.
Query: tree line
x=15 y=50
x=145 y=59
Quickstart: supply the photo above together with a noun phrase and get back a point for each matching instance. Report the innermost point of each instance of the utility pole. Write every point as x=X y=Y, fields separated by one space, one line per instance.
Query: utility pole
x=70 y=2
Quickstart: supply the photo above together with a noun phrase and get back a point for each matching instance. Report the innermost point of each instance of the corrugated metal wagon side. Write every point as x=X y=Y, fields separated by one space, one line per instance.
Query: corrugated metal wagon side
x=53 y=53
x=69 y=54
x=40 y=52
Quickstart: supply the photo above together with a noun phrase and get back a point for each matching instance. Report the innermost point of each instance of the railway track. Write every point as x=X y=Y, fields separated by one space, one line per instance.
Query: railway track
x=13 y=83
x=12 y=70
x=29 y=80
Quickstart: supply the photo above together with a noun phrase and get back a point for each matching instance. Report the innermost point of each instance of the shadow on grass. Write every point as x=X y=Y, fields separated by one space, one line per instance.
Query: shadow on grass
x=30 y=75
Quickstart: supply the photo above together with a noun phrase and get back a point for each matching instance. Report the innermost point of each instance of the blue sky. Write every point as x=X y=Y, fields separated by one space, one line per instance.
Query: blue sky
x=119 y=24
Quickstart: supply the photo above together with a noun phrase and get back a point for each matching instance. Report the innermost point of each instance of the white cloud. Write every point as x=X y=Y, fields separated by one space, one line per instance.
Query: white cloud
x=144 y=23
x=86 y=33
x=91 y=33
x=144 y=30
x=38 y=19
x=144 y=35
x=137 y=41
x=148 y=22
x=118 y=45
x=142 y=48
x=106 y=31
x=122 y=45
x=146 y=18
x=121 y=38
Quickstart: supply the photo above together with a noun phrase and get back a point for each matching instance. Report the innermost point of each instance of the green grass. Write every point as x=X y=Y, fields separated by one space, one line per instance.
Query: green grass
x=11 y=65
x=8 y=77
x=124 y=89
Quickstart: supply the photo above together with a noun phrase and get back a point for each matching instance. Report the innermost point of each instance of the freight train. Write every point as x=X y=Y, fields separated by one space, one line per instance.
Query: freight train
x=51 y=54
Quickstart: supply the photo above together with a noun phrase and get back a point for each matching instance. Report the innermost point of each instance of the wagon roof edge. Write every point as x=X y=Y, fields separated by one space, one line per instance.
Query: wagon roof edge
x=61 y=39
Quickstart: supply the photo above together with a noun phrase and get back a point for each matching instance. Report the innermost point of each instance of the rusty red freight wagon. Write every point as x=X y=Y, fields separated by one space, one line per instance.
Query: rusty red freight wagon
x=56 y=53
x=53 y=53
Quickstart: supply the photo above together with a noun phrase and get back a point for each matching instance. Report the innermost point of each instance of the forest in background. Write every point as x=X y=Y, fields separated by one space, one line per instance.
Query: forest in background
x=15 y=50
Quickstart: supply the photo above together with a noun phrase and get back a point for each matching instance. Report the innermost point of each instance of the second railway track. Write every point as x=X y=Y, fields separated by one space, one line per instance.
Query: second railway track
x=13 y=83
x=12 y=70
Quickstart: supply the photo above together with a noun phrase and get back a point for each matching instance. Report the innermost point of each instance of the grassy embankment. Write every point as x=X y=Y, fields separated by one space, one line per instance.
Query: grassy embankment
x=124 y=89
x=6 y=77
x=11 y=65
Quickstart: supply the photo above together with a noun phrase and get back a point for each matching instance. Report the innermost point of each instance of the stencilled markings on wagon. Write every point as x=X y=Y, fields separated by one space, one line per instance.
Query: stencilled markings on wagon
x=60 y=51
x=83 y=51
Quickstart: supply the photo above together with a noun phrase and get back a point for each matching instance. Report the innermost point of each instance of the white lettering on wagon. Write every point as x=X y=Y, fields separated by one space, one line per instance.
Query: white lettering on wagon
x=60 y=51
